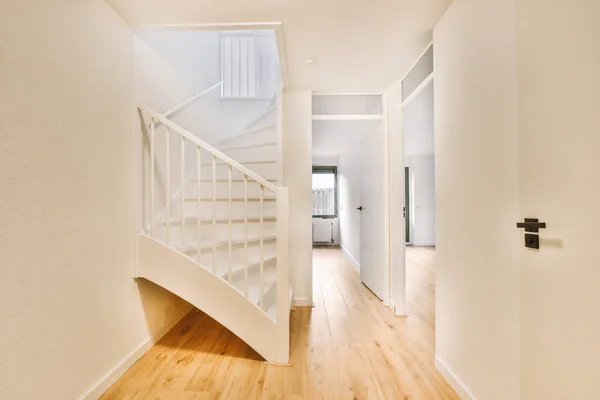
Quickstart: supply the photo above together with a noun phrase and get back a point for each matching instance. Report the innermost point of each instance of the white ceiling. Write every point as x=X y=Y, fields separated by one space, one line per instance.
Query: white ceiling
x=359 y=46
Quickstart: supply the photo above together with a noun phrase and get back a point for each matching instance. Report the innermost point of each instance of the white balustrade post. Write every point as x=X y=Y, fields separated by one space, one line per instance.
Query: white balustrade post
x=168 y=196
x=198 y=203
x=262 y=252
x=214 y=214
x=246 y=235
x=183 y=195
x=230 y=210
x=152 y=174
x=283 y=282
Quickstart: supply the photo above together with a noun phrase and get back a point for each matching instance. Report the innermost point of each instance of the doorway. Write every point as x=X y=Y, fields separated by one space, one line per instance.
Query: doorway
x=412 y=188
x=348 y=140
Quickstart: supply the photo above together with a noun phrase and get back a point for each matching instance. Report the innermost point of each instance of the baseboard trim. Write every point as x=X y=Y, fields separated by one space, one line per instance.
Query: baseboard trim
x=353 y=261
x=453 y=380
x=302 y=302
x=423 y=244
x=122 y=366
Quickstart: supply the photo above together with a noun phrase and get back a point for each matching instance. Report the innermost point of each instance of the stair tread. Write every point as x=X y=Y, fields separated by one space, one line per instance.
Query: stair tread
x=270 y=282
x=252 y=265
x=243 y=163
x=259 y=129
x=220 y=243
x=272 y=310
x=237 y=269
x=206 y=221
x=248 y=146
x=237 y=199
x=235 y=180
x=264 y=115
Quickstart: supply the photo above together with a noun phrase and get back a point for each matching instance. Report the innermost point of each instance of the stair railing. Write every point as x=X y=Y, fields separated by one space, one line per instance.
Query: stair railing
x=282 y=197
x=190 y=100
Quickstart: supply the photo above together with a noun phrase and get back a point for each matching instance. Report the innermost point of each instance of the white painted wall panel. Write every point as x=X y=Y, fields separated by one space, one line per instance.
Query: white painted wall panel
x=297 y=175
x=70 y=310
x=478 y=322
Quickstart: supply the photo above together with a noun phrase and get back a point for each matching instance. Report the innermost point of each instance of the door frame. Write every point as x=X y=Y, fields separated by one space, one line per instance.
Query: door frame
x=406 y=209
x=395 y=187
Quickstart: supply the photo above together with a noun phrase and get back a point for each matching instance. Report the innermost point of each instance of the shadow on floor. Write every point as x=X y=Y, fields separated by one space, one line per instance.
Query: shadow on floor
x=197 y=332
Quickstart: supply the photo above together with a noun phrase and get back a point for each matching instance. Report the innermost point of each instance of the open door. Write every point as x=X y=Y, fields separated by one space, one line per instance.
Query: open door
x=372 y=194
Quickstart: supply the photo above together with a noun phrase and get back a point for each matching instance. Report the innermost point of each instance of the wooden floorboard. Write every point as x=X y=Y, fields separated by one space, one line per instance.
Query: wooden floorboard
x=347 y=347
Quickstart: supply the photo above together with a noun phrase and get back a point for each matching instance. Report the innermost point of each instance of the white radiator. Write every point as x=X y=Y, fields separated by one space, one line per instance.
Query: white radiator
x=323 y=231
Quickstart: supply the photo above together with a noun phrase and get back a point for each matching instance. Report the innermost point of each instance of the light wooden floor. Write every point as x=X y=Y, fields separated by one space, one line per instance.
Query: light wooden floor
x=347 y=347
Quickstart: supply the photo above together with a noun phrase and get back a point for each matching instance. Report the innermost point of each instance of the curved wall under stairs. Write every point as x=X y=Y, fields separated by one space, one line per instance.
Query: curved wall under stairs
x=209 y=293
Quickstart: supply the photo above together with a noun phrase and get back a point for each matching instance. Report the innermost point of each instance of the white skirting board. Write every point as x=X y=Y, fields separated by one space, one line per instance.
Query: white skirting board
x=457 y=385
x=122 y=366
x=355 y=263
x=302 y=302
x=423 y=244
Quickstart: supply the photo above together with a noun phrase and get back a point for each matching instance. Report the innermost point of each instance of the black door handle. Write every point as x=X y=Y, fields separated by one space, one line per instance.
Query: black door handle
x=531 y=225
x=359 y=208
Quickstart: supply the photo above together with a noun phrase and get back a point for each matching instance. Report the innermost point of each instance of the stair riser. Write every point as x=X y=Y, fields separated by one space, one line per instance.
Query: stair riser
x=222 y=233
x=270 y=277
x=237 y=256
x=266 y=170
x=222 y=209
x=222 y=190
x=266 y=135
x=258 y=153
x=270 y=297
x=269 y=118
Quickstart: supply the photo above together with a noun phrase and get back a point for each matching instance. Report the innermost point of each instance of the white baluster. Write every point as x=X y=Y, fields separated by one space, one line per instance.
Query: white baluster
x=262 y=258
x=168 y=197
x=240 y=67
x=182 y=195
x=152 y=212
x=246 y=235
x=229 y=266
x=214 y=214
x=198 y=203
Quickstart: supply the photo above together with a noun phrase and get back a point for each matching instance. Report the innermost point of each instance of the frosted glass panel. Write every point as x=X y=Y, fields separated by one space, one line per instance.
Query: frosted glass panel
x=420 y=71
x=346 y=105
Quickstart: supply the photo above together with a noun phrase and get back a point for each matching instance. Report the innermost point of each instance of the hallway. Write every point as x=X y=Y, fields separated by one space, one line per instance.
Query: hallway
x=347 y=347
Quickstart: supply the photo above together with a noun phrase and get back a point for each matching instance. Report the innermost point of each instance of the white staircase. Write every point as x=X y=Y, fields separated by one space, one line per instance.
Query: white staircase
x=215 y=229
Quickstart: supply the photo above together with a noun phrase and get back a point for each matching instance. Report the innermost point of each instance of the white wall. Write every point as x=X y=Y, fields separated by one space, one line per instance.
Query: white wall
x=421 y=199
x=349 y=176
x=297 y=175
x=478 y=322
x=171 y=66
x=70 y=310
x=326 y=161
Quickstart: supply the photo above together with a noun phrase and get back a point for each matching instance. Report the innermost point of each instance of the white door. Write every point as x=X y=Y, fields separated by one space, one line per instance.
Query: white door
x=519 y=136
x=559 y=141
x=372 y=195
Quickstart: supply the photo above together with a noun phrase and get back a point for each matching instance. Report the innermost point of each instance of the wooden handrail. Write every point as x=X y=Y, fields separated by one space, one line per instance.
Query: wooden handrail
x=203 y=145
